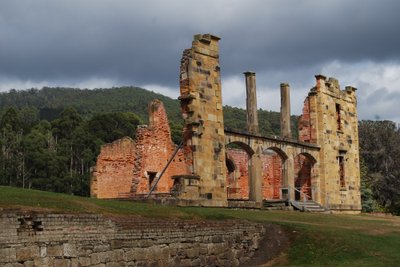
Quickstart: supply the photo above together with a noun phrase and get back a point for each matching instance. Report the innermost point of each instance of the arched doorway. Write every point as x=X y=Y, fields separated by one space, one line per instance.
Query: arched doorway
x=238 y=156
x=273 y=173
x=303 y=170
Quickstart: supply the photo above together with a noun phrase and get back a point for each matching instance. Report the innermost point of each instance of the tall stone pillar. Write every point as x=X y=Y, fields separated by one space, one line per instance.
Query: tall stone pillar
x=285 y=111
x=251 y=103
x=204 y=139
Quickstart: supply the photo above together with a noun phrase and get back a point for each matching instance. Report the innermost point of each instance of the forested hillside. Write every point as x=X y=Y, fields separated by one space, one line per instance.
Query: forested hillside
x=48 y=103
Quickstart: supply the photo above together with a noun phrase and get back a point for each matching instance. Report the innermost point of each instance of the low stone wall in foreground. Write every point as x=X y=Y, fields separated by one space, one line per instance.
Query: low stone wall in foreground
x=93 y=240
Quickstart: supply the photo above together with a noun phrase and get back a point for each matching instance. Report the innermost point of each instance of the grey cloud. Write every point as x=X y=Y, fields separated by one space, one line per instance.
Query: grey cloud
x=140 y=42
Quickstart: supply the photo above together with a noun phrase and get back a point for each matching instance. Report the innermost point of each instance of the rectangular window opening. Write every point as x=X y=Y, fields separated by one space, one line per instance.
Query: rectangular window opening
x=341 y=172
x=152 y=178
x=338 y=119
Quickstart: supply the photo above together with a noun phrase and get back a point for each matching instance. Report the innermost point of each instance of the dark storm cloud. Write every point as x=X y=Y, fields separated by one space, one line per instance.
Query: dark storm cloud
x=141 y=41
x=97 y=43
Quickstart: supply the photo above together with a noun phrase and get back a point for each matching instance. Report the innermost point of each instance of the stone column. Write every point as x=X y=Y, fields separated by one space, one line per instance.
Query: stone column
x=285 y=111
x=251 y=103
x=255 y=178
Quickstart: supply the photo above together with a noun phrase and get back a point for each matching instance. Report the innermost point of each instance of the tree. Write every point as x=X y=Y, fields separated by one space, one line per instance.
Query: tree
x=380 y=150
x=109 y=127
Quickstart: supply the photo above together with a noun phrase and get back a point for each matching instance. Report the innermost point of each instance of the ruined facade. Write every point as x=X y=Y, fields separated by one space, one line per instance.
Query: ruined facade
x=130 y=167
x=330 y=120
x=217 y=167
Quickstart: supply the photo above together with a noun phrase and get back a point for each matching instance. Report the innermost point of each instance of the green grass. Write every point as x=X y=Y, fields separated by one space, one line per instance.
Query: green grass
x=318 y=239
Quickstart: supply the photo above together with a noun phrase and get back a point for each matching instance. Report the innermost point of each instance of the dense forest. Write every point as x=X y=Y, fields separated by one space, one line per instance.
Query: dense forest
x=51 y=137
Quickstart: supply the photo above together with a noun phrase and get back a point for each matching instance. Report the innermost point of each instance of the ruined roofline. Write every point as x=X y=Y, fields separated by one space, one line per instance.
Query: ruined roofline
x=206 y=37
x=119 y=140
x=276 y=139
x=322 y=80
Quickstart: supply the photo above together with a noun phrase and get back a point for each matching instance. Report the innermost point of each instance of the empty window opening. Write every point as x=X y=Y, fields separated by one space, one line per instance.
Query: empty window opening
x=152 y=178
x=341 y=172
x=338 y=119
x=230 y=166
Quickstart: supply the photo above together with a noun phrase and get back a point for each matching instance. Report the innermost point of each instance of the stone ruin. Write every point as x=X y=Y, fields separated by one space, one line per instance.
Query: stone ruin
x=217 y=167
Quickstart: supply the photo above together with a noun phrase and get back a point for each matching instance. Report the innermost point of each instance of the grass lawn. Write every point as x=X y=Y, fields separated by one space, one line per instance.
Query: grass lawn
x=318 y=239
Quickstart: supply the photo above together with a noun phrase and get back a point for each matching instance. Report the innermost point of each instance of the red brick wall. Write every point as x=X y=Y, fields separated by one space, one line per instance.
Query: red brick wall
x=238 y=182
x=124 y=167
x=114 y=169
x=302 y=171
x=272 y=175
x=304 y=123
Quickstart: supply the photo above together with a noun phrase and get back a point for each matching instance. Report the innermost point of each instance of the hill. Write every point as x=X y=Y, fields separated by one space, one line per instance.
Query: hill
x=50 y=102
x=316 y=239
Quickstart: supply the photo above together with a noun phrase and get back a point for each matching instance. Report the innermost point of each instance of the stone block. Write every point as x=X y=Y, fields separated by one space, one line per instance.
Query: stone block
x=95 y=258
x=69 y=250
x=116 y=255
x=44 y=262
x=27 y=253
x=62 y=263
x=136 y=254
x=216 y=248
x=7 y=255
x=55 y=251
x=29 y=264
x=84 y=261
x=114 y=264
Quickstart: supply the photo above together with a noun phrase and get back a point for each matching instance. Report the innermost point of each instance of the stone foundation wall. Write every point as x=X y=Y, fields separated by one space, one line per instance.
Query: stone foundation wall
x=91 y=240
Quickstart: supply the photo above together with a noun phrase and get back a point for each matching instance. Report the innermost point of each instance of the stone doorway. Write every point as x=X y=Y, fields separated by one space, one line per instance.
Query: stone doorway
x=303 y=169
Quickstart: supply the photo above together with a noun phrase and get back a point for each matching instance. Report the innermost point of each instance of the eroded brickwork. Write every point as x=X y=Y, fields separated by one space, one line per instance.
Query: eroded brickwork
x=113 y=172
x=154 y=148
x=238 y=180
x=130 y=167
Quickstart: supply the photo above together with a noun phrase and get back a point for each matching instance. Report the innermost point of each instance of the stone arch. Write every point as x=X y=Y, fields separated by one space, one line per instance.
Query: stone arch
x=250 y=151
x=304 y=175
x=238 y=158
x=274 y=176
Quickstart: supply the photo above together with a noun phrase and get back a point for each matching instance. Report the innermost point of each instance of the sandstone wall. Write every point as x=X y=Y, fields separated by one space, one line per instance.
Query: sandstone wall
x=91 y=240
x=330 y=120
x=201 y=102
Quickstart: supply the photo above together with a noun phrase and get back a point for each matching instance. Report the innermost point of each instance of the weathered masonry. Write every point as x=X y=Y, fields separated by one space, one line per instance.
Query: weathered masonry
x=93 y=240
x=218 y=167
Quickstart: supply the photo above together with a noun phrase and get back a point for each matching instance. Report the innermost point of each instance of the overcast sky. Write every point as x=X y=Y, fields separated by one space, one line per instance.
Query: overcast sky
x=105 y=43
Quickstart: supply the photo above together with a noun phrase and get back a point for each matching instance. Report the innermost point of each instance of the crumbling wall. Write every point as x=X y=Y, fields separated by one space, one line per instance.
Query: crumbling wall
x=112 y=175
x=154 y=148
x=127 y=167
